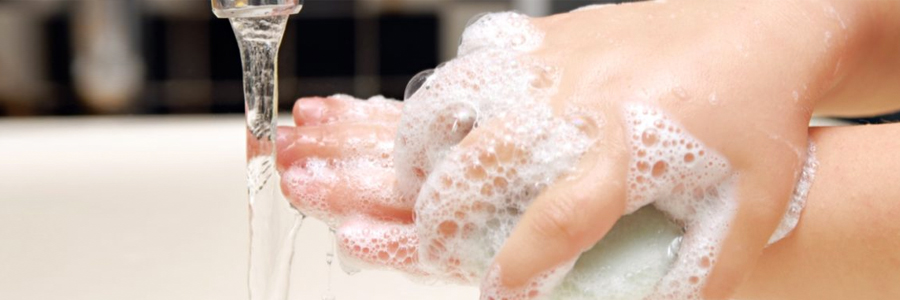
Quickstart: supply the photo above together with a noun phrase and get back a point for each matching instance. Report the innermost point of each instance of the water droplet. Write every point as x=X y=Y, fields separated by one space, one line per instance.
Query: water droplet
x=464 y=119
x=650 y=137
x=416 y=82
x=796 y=96
x=674 y=246
x=544 y=78
x=689 y=157
x=348 y=268
x=705 y=262
x=329 y=258
x=643 y=166
x=659 y=124
x=659 y=169
x=713 y=99
x=586 y=125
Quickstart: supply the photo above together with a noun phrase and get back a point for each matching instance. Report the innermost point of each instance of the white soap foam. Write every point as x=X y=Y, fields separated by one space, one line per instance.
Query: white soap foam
x=691 y=183
x=307 y=182
x=468 y=200
x=594 y=6
x=798 y=197
x=389 y=244
x=506 y=30
x=669 y=167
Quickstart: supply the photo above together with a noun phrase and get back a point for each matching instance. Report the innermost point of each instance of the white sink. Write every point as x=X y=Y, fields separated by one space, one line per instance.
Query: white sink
x=147 y=208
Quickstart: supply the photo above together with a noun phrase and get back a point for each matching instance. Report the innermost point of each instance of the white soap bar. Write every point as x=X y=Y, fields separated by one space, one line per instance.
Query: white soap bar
x=627 y=263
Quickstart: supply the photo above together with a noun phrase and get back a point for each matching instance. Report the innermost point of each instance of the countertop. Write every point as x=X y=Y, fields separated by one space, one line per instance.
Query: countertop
x=147 y=208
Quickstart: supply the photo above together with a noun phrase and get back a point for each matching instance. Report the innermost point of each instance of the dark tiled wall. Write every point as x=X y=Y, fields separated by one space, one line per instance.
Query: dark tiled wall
x=193 y=64
x=192 y=61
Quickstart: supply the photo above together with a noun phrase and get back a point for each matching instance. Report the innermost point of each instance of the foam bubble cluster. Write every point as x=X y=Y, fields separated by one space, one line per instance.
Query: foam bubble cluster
x=693 y=184
x=510 y=31
x=468 y=199
x=798 y=197
x=391 y=245
x=310 y=183
x=669 y=168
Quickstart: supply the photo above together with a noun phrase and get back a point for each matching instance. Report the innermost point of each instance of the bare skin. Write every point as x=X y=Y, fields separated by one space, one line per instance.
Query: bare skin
x=757 y=71
x=734 y=75
x=845 y=246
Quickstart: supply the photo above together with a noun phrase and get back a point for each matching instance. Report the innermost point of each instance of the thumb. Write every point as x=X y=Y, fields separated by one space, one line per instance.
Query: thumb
x=566 y=219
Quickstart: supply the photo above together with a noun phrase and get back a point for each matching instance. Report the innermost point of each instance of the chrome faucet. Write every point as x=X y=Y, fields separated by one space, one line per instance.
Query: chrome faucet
x=255 y=8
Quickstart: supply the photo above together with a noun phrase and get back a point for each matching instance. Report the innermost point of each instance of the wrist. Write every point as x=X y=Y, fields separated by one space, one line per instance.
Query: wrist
x=858 y=42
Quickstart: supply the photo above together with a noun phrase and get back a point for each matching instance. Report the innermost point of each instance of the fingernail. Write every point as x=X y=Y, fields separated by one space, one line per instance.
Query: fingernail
x=493 y=287
x=284 y=138
x=312 y=110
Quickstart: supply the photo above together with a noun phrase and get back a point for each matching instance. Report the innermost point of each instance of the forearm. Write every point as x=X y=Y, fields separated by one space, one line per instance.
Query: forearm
x=840 y=58
x=847 y=244
x=865 y=80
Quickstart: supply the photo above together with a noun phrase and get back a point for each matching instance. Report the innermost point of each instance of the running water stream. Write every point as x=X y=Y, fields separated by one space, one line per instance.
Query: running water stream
x=273 y=222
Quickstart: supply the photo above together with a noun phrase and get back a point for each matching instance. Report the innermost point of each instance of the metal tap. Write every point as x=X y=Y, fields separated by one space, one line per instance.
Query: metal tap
x=255 y=8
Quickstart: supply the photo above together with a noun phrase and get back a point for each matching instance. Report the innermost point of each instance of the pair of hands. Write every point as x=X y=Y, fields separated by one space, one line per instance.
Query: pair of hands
x=741 y=82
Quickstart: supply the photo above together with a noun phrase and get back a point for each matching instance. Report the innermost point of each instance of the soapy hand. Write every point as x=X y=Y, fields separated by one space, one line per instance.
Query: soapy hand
x=579 y=127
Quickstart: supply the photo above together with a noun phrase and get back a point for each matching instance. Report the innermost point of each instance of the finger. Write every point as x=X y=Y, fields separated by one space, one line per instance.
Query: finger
x=565 y=220
x=334 y=141
x=763 y=190
x=333 y=193
x=470 y=201
x=370 y=243
x=324 y=110
x=258 y=147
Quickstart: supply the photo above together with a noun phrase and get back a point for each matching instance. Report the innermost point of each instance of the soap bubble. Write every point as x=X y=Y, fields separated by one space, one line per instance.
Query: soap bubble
x=475 y=18
x=416 y=82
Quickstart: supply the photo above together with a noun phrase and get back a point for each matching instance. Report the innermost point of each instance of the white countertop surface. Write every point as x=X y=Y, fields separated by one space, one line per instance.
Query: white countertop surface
x=147 y=208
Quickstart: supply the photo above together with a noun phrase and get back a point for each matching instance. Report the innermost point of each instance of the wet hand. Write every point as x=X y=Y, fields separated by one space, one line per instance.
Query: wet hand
x=732 y=110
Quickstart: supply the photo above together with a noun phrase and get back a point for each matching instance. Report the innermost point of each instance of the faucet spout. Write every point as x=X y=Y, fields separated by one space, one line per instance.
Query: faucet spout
x=255 y=8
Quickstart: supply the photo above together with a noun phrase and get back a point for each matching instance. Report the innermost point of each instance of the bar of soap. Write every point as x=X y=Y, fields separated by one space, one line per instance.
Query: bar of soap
x=627 y=263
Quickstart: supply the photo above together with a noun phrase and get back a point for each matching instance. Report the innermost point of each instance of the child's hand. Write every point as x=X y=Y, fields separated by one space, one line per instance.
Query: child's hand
x=729 y=87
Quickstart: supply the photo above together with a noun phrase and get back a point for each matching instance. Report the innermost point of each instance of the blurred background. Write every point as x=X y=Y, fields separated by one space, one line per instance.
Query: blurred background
x=80 y=57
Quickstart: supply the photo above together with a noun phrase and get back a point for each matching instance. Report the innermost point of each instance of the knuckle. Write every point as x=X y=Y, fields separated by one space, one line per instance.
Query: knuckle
x=559 y=220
